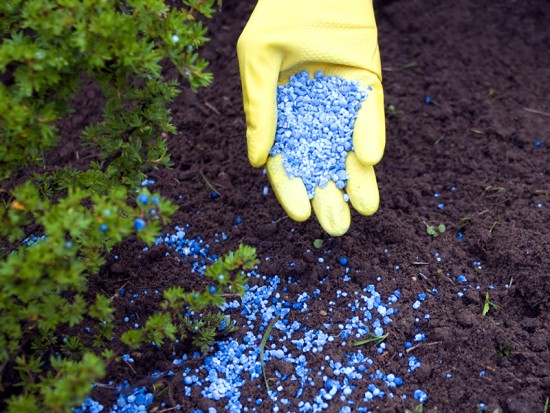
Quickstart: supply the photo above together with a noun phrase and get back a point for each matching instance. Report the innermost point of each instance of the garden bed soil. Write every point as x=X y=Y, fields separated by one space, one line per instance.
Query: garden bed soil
x=467 y=94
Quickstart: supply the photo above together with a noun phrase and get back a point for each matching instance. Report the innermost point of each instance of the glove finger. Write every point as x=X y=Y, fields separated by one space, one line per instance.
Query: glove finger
x=361 y=186
x=259 y=70
x=291 y=193
x=369 y=132
x=331 y=210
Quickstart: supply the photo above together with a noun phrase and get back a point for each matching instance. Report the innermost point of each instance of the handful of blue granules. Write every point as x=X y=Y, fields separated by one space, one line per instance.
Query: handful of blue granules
x=315 y=127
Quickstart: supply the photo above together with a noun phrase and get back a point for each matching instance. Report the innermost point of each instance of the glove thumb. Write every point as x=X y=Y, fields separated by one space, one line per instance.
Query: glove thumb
x=259 y=67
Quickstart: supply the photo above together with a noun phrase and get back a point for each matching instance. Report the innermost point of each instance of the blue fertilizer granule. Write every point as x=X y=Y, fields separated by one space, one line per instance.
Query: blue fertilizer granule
x=315 y=120
x=348 y=380
x=135 y=401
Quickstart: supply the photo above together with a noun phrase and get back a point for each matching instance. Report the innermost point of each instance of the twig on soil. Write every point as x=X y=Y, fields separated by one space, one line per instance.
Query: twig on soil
x=409 y=65
x=494 y=226
x=116 y=294
x=538 y=112
x=426 y=278
x=131 y=368
x=211 y=107
x=420 y=263
x=433 y=343
x=105 y=386
x=262 y=347
x=158 y=394
x=279 y=220
x=438 y=140
x=439 y=273
x=209 y=184
x=167 y=410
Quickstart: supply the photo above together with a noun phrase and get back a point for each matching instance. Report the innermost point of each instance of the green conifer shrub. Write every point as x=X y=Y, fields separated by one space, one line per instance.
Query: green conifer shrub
x=56 y=227
x=206 y=322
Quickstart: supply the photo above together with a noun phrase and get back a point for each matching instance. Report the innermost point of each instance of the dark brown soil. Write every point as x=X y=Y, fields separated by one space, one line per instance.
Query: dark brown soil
x=481 y=143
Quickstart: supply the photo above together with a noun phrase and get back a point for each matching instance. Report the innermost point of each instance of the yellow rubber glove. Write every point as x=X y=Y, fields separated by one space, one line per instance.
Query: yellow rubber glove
x=339 y=38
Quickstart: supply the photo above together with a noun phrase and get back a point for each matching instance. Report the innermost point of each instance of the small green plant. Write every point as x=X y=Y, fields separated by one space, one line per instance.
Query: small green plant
x=488 y=305
x=411 y=64
x=502 y=350
x=391 y=110
x=210 y=185
x=417 y=409
x=318 y=243
x=262 y=348
x=435 y=231
x=499 y=190
x=546 y=405
x=190 y=315
x=373 y=339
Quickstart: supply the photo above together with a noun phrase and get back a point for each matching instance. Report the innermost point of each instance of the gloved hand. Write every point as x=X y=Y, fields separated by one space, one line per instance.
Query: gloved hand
x=339 y=38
